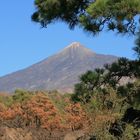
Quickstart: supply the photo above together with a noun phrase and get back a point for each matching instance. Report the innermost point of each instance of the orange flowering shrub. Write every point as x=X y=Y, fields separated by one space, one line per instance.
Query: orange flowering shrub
x=40 y=112
x=75 y=116
x=2 y=109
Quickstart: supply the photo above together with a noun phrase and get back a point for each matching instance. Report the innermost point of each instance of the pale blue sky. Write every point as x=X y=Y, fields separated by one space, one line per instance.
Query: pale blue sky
x=23 y=43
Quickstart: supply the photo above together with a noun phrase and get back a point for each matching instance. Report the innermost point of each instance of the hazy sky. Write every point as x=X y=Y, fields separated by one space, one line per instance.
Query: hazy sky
x=23 y=43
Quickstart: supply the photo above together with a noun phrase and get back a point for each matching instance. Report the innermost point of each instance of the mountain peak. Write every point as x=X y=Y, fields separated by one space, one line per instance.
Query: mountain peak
x=75 y=45
x=60 y=71
x=78 y=49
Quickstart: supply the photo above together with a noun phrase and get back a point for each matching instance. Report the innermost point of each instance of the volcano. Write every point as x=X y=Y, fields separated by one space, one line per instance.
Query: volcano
x=58 y=72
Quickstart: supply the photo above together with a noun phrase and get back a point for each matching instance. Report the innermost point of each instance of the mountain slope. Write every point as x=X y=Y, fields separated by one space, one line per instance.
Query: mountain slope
x=59 y=71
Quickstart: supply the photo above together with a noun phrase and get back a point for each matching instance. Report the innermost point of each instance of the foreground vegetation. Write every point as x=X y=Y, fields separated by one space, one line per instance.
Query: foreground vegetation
x=105 y=113
x=93 y=16
x=52 y=115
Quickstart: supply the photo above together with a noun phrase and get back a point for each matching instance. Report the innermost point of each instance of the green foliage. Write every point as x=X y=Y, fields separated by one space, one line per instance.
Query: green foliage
x=104 y=99
x=21 y=95
x=93 y=16
x=130 y=132
x=104 y=96
x=131 y=94
x=6 y=100
x=59 y=100
x=137 y=45
x=65 y=10
x=117 y=15
x=117 y=70
x=101 y=78
x=89 y=82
